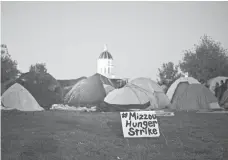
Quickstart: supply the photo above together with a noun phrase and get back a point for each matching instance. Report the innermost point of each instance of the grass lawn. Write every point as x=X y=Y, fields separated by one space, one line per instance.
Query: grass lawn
x=68 y=135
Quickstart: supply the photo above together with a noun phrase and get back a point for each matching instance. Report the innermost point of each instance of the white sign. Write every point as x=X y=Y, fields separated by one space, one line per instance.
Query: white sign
x=139 y=124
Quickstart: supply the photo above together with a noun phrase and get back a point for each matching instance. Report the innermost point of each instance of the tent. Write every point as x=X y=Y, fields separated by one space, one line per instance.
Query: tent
x=224 y=100
x=108 y=88
x=179 y=86
x=88 y=91
x=131 y=95
x=66 y=89
x=164 y=88
x=153 y=88
x=195 y=97
x=70 y=82
x=116 y=83
x=43 y=87
x=212 y=82
x=17 y=97
x=147 y=84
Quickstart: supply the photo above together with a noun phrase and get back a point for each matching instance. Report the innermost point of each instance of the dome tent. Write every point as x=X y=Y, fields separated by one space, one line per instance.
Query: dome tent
x=195 y=97
x=146 y=83
x=44 y=88
x=17 y=97
x=152 y=87
x=108 y=88
x=70 y=82
x=116 y=83
x=164 y=88
x=131 y=97
x=67 y=85
x=179 y=87
x=88 y=91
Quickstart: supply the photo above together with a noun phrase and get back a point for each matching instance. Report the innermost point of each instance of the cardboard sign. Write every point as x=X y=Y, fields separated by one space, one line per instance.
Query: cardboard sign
x=139 y=124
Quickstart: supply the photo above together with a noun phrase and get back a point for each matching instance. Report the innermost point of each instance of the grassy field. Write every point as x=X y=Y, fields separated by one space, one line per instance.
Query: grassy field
x=67 y=135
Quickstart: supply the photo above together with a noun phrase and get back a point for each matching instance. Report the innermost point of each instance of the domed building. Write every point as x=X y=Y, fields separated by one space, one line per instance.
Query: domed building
x=105 y=64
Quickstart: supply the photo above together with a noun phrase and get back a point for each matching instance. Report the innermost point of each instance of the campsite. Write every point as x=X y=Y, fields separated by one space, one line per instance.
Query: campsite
x=32 y=132
x=158 y=90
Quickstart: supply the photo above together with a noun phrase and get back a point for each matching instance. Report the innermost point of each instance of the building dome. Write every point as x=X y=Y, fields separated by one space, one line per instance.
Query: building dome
x=105 y=63
x=105 y=54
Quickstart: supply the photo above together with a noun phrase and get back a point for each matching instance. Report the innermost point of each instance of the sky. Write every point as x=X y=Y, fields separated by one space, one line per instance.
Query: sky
x=70 y=36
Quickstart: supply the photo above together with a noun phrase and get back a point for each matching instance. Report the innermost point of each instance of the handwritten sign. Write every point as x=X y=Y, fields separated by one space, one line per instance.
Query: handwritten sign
x=139 y=124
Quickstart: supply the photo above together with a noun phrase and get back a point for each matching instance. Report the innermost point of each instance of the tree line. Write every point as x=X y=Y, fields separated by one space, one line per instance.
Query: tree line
x=207 y=60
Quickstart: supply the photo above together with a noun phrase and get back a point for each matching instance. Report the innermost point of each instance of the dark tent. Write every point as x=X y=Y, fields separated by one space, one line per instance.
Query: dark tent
x=66 y=90
x=67 y=85
x=116 y=83
x=108 y=88
x=88 y=91
x=44 y=88
x=70 y=82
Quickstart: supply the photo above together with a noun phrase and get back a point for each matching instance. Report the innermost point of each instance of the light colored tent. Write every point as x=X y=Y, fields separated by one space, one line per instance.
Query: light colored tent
x=224 y=100
x=212 y=82
x=4 y=108
x=131 y=95
x=176 y=87
x=195 y=97
x=153 y=88
x=147 y=84
x=108 y=88
x=88 y=91
x=17 y=97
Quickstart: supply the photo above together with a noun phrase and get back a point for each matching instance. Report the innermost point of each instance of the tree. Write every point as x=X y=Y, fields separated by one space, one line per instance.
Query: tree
x=38 y=68
x=208 y=60
x=9 y=69
x=43 y=87
x=168 y=73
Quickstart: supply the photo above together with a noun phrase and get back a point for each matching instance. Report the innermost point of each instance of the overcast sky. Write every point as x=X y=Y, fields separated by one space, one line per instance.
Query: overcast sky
x=69 y=36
